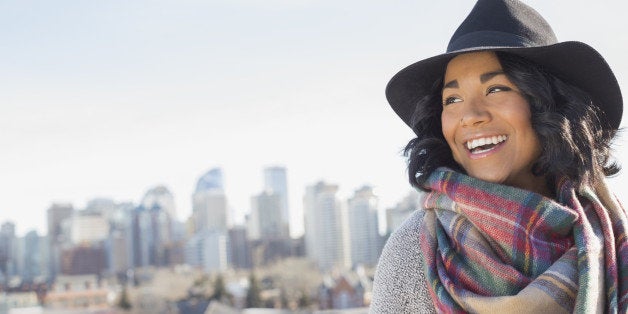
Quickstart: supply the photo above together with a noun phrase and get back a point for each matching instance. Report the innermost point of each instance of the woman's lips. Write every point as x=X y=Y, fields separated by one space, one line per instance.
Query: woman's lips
x=485 y=140
x=481 y=152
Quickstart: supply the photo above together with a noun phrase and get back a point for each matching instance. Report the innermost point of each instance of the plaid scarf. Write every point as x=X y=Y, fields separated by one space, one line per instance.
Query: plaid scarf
x=494 y=248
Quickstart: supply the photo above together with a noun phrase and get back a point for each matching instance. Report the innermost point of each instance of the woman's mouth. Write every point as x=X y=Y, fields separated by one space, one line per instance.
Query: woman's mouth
x=485 y=144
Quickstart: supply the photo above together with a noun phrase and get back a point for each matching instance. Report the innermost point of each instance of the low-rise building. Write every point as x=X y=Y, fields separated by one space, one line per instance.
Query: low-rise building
x=78 y=292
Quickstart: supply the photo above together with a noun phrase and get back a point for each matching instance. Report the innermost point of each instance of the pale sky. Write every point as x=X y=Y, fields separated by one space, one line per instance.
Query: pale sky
x=108 y=98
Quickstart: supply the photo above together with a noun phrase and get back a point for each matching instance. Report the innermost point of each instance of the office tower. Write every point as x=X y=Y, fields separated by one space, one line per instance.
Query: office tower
x=211 y=180
x=119 y=243
x=56 y=215
x=395 y=216
x=87 y=227
x=152 y=228
x=8 y=248
x=325 y=226
x=240 y=250
x=157 y=217
x=270 y=240
x=364 y=238
x=276 y=182
x=209 y=203
x=265 y=219
x=208 y=250
x=160 y=197
x=33 y=261
x=84 y=259
x=175 y=250
x=89 y=242
x=100 y=206
x=151 y=236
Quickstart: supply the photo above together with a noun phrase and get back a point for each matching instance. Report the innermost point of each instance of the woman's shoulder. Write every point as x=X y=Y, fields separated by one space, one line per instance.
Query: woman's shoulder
x=403 y=243
x=410 y=226
x=400 y=285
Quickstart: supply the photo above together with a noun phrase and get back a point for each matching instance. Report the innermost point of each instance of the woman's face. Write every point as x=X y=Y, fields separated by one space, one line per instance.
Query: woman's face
x=486 y=122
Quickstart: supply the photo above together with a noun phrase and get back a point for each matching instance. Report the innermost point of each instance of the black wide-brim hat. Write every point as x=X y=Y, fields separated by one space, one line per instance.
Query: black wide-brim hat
x=511 y=26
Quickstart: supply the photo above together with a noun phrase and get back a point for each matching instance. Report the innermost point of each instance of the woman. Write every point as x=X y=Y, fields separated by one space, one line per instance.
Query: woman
x=513 y=135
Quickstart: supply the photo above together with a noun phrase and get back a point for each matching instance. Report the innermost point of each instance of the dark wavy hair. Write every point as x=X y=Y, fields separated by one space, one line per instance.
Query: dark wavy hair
x=574 y=135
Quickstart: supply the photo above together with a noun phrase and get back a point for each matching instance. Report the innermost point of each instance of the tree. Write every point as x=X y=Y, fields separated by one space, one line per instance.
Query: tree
x=253 y=298
x=283 y=298
x=124 y=302
x=304 y=300
x=219 y=289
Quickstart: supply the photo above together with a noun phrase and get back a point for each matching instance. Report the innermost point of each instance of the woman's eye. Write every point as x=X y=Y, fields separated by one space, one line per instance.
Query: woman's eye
x=495 y=89
x=451 y=100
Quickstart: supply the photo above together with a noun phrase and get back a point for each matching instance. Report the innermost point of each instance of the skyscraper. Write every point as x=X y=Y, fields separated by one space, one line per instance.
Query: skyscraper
x=276 y=182
x=57 y=214
x=325 y=226
x=265 y=221
x=395 y=216
x=240 y=250
x=208 y=250
x=209 y=246
x=151 y=237
x=211 y=180
x=364 y=238
x=84 y=259
x=88 y=228
x=119 y=243
x=152 y=228
x=161 y=197
x=209 y=203
x=8 y=248
x=33 y=262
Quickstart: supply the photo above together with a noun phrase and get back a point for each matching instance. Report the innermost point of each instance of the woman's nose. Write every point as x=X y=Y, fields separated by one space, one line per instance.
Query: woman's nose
x=474 y=114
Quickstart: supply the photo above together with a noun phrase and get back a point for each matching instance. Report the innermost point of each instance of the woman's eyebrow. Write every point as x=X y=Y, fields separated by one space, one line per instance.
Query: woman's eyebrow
x=451 y=84
x=489 y=75
x=485 y=77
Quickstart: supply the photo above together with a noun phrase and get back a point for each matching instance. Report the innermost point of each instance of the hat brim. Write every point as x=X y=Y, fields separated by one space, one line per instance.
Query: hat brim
x=575 y=62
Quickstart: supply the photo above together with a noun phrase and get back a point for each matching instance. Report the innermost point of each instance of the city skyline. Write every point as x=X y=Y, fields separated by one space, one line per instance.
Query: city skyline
x=112 y=98
x=112 y=239
x=148 y=197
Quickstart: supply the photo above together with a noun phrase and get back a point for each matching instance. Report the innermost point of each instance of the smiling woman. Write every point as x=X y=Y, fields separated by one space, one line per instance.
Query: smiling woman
x=513 y=150
x=486 y=123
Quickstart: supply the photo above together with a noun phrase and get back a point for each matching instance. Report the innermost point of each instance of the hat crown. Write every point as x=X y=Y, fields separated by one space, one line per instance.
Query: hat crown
x=502 y=23
x=513 y=27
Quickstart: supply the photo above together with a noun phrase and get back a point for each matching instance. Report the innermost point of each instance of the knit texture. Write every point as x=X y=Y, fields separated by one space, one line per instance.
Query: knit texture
x=494 y=248
x=400 y=286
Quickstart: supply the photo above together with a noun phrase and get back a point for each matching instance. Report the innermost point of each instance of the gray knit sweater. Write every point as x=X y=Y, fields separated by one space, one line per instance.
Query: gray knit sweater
x=400 y=285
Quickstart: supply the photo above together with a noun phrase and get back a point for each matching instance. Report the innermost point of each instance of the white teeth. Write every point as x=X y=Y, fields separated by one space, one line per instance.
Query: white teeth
x=485 y=141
